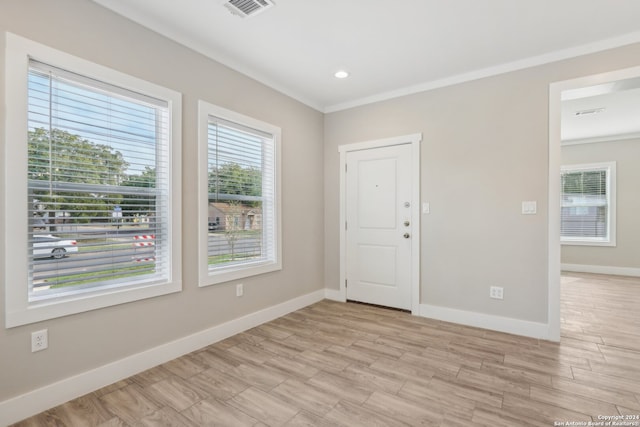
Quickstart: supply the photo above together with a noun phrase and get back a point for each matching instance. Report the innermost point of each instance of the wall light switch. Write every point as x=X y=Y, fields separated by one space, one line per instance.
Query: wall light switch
x=529 y=208
x=426 y=208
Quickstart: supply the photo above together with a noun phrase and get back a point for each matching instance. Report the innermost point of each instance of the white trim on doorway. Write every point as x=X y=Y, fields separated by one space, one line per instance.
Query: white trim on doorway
x=555 y=91
x=414 y=140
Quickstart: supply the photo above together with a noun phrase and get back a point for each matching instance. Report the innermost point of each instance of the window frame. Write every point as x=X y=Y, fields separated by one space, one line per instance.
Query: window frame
x=610 y=169
x=206 y=275
x=18 y=309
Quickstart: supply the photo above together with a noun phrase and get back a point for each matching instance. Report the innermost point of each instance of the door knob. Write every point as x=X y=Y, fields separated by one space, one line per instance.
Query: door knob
x=406 y=223
x=406 y=235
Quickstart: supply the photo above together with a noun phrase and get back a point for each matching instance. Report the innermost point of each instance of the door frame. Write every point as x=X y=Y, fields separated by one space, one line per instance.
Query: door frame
x=555 y=112
x=414 y=140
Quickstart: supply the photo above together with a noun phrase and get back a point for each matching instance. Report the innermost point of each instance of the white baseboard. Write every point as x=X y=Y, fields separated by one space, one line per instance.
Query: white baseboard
x=469 y=318
x=334 y=295
x=602 y=269
x=36 y=401
x=487 y=321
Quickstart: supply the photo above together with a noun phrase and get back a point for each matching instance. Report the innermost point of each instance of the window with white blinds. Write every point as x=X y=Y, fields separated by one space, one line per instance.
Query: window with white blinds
x=99 y=177
x=588 y=204
x=97 y=184
x=240 y=236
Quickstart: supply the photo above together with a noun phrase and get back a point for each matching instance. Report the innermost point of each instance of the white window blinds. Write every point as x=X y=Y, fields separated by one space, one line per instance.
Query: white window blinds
x=586 y=203
x=241 y=195
x=98 y=184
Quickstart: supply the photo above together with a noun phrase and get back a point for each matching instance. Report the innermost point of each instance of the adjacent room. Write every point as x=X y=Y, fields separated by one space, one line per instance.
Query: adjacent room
x=288 y=213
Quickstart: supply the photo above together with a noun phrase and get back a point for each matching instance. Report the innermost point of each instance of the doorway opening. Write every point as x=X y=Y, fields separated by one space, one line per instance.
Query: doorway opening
x=593 y=152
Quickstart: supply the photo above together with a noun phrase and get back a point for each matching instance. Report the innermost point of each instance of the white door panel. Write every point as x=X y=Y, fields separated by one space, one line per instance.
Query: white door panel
x=378 y=239
x=377 y=264
x=376 y=193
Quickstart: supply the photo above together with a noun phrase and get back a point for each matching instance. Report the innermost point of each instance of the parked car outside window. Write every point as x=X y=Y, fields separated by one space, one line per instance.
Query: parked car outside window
x=45 y=246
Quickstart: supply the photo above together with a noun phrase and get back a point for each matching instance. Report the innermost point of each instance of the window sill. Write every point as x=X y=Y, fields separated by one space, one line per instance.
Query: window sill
x=587 y=243
x=51 y=309
x=227 y=274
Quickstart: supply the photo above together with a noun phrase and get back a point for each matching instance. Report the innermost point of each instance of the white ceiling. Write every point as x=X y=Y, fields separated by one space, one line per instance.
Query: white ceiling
x=390 y=47
x=618 y=109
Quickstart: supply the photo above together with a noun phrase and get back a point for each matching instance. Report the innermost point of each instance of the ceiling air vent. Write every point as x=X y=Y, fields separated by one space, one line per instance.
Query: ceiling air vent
x=589 y=111
x=247 y=8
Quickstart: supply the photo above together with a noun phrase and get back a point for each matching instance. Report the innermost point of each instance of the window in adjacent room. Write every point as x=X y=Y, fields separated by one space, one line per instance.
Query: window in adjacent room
x=93 y=166
x=239 y=209
x=588 y=204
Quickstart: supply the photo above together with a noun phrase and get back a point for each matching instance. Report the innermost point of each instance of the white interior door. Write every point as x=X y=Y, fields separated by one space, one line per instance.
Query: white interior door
x=379 y=223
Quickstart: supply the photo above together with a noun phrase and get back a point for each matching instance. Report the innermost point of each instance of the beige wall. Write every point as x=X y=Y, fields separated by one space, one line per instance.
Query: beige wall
x=484 y=151
x=85 y=341
x=626 y=154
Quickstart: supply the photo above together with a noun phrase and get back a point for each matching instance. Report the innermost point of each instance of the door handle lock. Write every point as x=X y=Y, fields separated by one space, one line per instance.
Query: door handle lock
x=406 y=223
x=406 y=235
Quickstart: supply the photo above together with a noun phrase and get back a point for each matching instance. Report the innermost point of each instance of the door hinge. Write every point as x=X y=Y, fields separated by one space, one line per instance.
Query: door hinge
x=345 y=283
x=345 y=225
x=345 y=167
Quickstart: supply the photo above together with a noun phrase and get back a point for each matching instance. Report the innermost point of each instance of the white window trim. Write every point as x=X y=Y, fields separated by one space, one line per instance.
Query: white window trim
x=18 y=310
x=610 y=167
x=232 y=272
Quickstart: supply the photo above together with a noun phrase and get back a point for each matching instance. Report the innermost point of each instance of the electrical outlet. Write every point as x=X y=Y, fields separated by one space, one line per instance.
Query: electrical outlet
x=530 y=208
x=496 y=292
x=39 y=340
x=239 y=290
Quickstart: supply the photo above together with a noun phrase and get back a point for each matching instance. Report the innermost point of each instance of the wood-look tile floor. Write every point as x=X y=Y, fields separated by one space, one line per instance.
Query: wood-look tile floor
x=334 y=364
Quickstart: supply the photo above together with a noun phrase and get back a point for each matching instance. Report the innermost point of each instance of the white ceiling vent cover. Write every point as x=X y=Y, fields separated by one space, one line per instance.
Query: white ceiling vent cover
x=247 y=8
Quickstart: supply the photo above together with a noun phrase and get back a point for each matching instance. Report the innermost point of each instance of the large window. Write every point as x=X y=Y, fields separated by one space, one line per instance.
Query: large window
x=93 y=169
x=239 y=222
x=588 y=204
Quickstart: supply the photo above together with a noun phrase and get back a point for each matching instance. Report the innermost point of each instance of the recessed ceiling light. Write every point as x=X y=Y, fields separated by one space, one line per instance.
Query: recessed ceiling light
x=341 y=74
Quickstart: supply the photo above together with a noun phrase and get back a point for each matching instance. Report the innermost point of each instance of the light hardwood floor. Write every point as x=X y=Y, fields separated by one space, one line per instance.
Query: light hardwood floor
x=334 y=364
